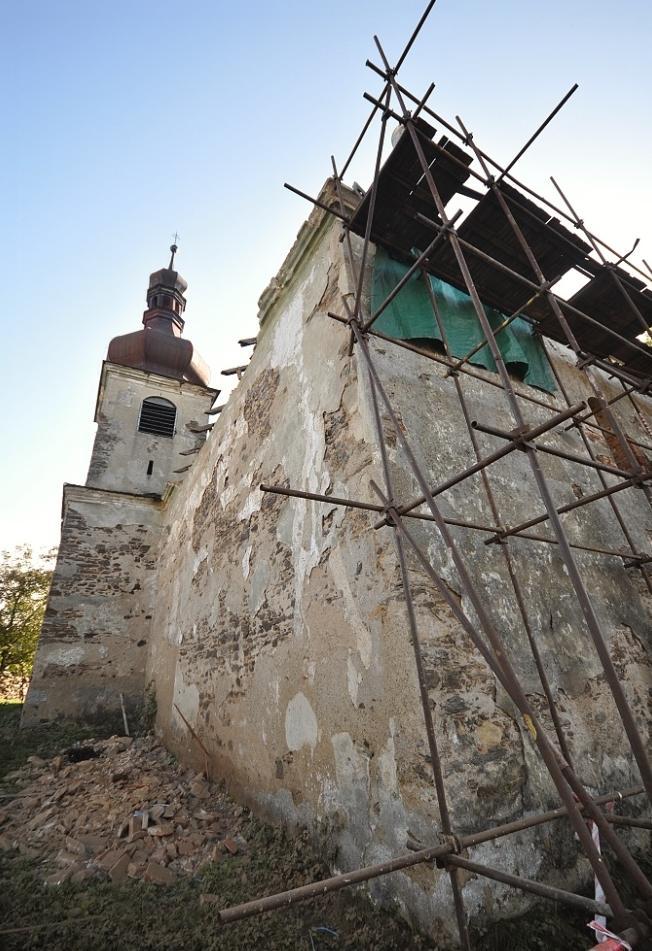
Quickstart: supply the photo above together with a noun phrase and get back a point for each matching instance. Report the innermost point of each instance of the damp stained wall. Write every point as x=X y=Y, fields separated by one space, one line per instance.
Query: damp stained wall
x=279 y=629
x=93 y=642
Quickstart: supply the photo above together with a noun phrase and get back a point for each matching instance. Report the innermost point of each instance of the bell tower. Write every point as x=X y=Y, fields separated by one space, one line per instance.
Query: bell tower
x=151 y=421
x=153 y=397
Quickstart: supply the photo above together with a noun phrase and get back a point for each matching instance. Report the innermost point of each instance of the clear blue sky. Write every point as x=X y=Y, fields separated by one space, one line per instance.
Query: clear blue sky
x=124 y=122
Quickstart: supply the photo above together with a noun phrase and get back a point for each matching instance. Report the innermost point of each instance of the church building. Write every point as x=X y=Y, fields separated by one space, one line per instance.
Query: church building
x=240 y=577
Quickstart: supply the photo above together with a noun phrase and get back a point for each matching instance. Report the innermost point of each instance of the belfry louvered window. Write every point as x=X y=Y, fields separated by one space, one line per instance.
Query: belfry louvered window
x=157 y=416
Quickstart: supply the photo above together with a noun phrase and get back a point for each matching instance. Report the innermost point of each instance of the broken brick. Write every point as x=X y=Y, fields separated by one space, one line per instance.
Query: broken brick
x=118 y=872
x=159 y=874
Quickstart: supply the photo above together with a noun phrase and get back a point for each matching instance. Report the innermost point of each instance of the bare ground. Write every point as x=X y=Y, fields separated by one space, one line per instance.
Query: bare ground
x=120 y=847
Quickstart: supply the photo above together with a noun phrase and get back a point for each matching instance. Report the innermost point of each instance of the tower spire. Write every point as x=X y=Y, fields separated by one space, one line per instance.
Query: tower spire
x=159 y=346
x=174 y=247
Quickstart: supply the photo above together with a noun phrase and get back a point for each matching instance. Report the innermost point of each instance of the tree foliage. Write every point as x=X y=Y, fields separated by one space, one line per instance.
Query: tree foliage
x=24 y=586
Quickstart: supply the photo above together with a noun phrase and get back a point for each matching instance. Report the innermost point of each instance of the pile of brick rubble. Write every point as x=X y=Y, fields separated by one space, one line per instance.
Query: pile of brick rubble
x=120 y=808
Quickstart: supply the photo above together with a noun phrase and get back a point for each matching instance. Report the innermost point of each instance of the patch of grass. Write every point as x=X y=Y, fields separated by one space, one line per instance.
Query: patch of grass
x=45 y=740
x=147 y=715
x=99 y=916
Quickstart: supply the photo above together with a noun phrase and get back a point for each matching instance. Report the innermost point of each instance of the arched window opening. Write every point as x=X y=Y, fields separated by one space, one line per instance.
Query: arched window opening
x=157 y=416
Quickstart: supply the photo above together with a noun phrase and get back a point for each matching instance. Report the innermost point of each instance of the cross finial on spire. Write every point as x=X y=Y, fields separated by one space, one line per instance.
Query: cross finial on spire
x=173 y=248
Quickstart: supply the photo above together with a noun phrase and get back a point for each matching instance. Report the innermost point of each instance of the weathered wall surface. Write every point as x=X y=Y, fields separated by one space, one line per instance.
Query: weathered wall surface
x=93 y=642
x=121 y=454
x=280 y=630
x=277 y=628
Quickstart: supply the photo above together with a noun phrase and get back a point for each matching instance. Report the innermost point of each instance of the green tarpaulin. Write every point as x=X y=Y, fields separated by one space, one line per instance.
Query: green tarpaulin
x=410 y=317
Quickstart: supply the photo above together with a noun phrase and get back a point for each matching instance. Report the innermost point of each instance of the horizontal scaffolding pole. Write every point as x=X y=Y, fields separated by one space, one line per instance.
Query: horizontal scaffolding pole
x=452 y=365
x=370 y=506
x=503 y=669
x=500 y=265
x=518 y=438
x=634 y=558
x=631 y=821
x=610 y=490
x=516 y=442
x=459 y=363
x=502 y=171
x=315 y=201
x=315 y=889
x=627 y=391
x=418 y=264
x=552 y=451
x=528 y=885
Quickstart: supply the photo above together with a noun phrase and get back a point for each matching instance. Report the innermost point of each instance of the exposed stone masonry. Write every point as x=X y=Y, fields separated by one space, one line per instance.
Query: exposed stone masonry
x=278 y=627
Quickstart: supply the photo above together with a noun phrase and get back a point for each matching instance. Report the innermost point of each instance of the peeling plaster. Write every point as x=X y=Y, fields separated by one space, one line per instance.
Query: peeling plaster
x=300 y=723
x=279 y=625
x=65 y=656
x=352 y=608
x=186 y=697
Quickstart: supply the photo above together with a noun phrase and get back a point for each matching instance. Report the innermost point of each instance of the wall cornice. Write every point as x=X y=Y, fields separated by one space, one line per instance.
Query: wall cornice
x=309 y=234
x=166 y=383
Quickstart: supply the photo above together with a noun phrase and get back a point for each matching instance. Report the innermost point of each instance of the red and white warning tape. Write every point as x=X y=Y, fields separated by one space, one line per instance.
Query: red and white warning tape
x=607 y=940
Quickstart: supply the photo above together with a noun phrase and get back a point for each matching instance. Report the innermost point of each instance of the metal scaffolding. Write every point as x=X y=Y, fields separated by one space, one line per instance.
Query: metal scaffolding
x=520 y=283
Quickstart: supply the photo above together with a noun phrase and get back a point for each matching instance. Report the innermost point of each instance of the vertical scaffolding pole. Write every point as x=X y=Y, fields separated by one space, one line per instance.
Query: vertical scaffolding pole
x=495 y=655
x=587 y=445
x=588 y=611
x=560 y=769
x=518 y=594
x=435 y=759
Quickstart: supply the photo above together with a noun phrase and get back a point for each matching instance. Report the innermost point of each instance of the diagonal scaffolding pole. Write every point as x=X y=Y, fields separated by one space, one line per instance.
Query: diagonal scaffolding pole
x=502 y=171
x=587 y=445
x=634 y=557
x=418 y=136
x=578 y=803
x=289 y=898
x=591 y=618
x=496 y=658
x=511 y=570
x=435 y=759
x=486 y=377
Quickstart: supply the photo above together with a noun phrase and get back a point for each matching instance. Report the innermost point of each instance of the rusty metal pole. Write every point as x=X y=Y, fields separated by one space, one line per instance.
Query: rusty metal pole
x=518 y=594
x=634 y=558
x=579 y=223
x=494 y=656
x=372 y=204
x=435 y=759
x=556 y=769
x=579 y=503
x=502 y=171
x=504 y=268
x=587 y=445
x=285 y=900
x=590 y=616
x=527 y=885
x=486 y=377
x=517 y=442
